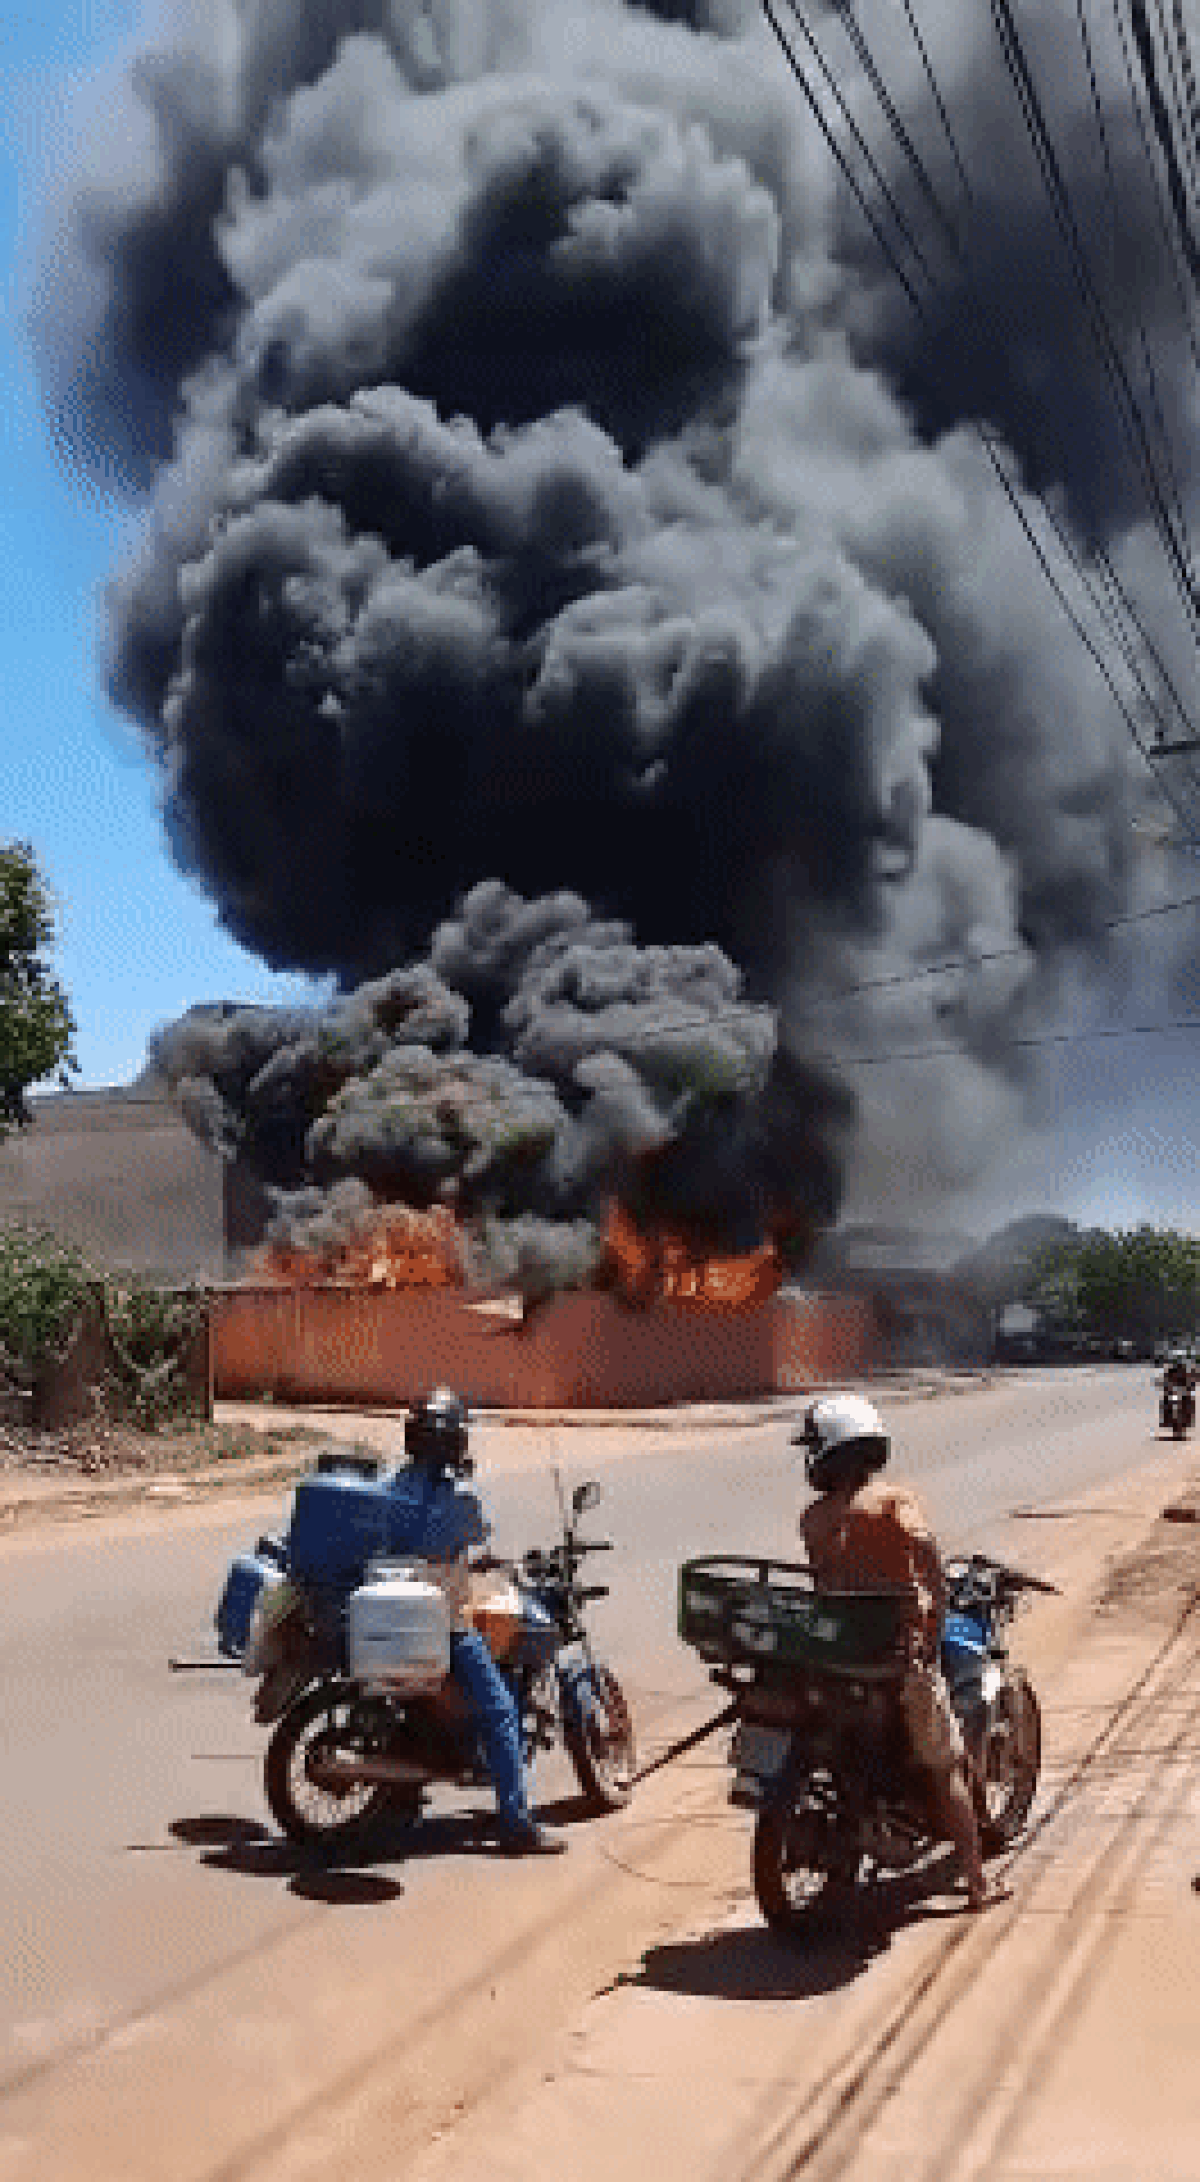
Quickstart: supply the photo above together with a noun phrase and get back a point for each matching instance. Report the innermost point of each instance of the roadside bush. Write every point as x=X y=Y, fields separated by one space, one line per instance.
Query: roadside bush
x=151 y=1332
x=46 y=1288
x=43 y=1288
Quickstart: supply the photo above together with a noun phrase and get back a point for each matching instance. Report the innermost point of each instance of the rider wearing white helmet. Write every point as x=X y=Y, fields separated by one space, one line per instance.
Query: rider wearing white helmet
x=860 y=1535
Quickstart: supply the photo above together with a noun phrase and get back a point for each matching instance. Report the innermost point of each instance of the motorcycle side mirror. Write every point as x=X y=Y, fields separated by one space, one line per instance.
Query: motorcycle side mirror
x=585 y=1496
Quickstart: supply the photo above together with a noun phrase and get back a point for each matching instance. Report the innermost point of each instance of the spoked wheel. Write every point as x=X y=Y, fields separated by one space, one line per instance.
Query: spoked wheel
x=310 y=1812
x=793 y=1885
x=1010 y=1764
x=598 y=1731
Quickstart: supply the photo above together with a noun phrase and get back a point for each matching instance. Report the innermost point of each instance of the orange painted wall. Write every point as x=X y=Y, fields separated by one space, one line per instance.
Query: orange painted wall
x=376 y=1345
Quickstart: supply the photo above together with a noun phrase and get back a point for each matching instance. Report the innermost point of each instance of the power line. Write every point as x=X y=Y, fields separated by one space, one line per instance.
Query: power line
x=756 y=1008
x=1144 y=40
x=1102 y=558
x=1188 y=73
x=1180 y=130
x=1126 y=402
x=1040 y=1038
x=985 y=954
x=1170 y=245
x=1110 y=576
x=938 y=101
x=1118 y=235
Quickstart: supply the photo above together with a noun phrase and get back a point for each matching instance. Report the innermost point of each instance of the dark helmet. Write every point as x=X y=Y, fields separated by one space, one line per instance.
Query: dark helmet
x=435 y=1433
x=844 y=1442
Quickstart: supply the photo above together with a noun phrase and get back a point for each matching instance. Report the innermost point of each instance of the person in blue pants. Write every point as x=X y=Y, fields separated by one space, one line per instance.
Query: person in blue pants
x=442 y=1523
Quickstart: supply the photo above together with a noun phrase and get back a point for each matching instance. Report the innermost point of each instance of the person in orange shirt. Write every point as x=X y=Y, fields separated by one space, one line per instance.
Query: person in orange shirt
x=863 y=1535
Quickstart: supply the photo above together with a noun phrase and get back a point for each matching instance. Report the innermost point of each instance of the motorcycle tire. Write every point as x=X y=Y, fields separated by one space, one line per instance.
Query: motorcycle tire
x=324 y=1819
x=793 y=1888
x=1010 y=1764
x=598 y=1732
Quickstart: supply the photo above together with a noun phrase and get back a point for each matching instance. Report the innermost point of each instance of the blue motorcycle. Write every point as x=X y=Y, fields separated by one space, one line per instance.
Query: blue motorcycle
x=820 y=1749
x=350 y=1650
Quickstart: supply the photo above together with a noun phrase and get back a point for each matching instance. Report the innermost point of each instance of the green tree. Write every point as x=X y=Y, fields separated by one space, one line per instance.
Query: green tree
x=36 y=1024
x=1140 y=1284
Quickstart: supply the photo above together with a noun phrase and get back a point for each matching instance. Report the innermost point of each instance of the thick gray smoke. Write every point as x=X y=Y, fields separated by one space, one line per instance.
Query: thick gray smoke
x=613 y=1070
x=546 y=483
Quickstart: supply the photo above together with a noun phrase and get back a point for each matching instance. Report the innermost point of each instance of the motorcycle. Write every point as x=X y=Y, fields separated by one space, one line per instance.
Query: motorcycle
x=819 y=1748
x=353 y=1674
x=1177 y=1410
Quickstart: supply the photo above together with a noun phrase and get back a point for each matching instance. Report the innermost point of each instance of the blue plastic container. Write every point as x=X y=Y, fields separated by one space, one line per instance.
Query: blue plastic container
x=340 y=1521
x=538 y=1637
x=249 y=1575
x=964 y=1652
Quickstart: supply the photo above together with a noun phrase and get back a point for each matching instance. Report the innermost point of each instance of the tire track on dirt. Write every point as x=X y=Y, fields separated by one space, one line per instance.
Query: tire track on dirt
x=657 y=1710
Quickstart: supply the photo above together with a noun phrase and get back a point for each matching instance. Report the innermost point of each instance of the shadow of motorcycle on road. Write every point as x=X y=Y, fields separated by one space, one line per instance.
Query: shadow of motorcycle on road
x=748 y=1962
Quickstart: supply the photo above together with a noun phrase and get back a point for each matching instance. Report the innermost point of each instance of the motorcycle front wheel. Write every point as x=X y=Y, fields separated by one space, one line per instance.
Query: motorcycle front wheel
x=313 y=1816
x=1010 y=1763
x=598 y=1732
x=792 y=1884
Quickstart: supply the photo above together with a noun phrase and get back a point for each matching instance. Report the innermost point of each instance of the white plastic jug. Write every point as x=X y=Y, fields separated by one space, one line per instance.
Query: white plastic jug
x=398 y=1633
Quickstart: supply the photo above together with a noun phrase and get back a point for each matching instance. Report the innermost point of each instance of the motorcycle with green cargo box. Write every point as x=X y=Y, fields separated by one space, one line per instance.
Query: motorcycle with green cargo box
x=350 y=1648
x=819 y=1747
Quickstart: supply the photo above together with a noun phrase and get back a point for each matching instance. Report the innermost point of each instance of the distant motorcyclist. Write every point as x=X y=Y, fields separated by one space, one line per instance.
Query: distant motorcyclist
x=1178 y=1383
x=443 y=1524
x=861 y=1536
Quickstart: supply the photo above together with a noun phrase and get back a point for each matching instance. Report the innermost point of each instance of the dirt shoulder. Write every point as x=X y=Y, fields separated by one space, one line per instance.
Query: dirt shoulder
x=1055 y=2035
x=106 y=1469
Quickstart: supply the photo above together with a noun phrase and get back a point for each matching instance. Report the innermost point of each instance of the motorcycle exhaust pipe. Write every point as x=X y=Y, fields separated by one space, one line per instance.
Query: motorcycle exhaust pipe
x=345 y=1772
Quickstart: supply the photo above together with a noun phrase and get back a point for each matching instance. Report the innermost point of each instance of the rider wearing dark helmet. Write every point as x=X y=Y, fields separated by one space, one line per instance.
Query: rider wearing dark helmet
x=864 y=1536
x=443 y=1524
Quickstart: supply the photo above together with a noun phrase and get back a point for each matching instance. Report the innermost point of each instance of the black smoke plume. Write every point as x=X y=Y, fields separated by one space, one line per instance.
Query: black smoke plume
x=545 y=483
x=611 y=1071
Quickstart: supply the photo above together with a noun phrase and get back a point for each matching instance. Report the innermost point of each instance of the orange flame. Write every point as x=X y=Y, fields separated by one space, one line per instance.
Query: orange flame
x=398 y=1248
x=662 y=1264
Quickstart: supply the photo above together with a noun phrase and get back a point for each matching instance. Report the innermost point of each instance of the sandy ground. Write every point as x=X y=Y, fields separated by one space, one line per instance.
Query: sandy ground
x=625 y=2014
x=1054 y=2037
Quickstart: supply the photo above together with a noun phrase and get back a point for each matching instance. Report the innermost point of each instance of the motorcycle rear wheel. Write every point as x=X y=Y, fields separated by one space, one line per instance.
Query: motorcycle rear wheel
x=598 y=1732
x=794 y=1889
x=1007 y=1779
x=325 y=1819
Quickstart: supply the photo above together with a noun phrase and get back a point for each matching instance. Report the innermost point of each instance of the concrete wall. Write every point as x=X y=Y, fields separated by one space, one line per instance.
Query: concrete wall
x=370 y=1345
x=119 y=1174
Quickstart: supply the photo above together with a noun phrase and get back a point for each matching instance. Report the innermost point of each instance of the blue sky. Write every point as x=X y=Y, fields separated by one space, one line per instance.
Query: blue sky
x=138 y=942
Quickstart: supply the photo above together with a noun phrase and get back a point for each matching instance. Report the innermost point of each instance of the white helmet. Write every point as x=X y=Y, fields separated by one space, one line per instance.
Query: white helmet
x=843 y=1437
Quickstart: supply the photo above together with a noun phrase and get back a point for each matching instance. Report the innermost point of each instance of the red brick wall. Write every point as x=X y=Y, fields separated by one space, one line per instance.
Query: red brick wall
x=375 y=1345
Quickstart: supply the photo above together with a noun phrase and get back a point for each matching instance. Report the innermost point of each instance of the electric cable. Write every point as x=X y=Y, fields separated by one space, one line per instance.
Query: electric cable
x=1112 y=582
x=1170 y=244
x=755 y=1008
x=990 y=446
x=1191 y=100
x=1144 y=40
x=938 y=101
x=1001 y=1045
x=870 y=68
x=1118 y=238
x=1125 y=401
x=1179 y=130
x=899 y=978
x=878 y=176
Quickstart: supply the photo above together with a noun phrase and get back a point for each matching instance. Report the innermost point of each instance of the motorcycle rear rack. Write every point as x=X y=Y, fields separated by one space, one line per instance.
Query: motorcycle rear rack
x=744 y=1610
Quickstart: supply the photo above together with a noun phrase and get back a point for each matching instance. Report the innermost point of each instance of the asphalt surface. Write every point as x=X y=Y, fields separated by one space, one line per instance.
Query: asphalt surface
x=184 y=1999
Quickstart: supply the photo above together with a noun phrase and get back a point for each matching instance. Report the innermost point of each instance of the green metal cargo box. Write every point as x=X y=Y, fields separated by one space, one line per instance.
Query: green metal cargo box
x=739 y=1611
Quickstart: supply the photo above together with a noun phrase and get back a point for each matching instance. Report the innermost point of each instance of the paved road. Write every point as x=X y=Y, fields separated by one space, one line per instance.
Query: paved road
x=183 y=2000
